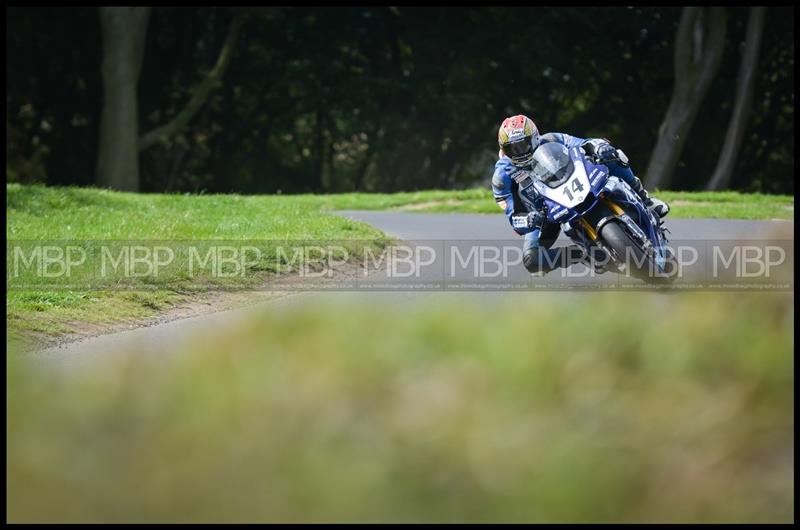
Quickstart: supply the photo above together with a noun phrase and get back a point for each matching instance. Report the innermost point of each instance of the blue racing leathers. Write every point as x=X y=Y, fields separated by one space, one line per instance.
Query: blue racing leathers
x=537 y=254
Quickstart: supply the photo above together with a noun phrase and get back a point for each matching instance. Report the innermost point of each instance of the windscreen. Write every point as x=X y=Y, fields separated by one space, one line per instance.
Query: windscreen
x=551 y=164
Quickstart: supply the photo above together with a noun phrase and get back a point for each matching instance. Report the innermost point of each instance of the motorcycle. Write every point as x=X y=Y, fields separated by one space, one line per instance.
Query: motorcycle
x=599 y=211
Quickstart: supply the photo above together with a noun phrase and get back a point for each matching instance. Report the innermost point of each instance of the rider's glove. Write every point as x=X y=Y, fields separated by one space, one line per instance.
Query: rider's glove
x=606 y=153
x=602 y=152
x=528 y=220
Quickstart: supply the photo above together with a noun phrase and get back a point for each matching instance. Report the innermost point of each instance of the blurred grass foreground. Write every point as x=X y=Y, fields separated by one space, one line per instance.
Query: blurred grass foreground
x=605 y=407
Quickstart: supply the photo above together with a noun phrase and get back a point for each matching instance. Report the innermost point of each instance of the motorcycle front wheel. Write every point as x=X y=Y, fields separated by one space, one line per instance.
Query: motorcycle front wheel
x=630 y=254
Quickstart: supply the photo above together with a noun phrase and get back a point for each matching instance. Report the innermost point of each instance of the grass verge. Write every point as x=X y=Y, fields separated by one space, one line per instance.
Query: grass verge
x=721 y=205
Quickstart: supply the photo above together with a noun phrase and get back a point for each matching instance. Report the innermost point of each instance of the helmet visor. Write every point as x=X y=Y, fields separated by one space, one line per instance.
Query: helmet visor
x=519 y=149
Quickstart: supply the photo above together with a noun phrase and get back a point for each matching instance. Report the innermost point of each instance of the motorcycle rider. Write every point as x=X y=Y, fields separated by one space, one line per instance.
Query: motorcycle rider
x=518 y=138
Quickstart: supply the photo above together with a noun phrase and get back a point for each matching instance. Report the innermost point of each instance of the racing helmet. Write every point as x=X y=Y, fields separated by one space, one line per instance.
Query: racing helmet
x=518 y=137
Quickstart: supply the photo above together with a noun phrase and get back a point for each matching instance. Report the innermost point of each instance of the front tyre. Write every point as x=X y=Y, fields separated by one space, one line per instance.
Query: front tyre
x=630 y=253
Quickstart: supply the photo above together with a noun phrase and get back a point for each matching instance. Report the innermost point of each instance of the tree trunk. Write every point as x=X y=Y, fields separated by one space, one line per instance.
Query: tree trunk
x=199 y=94
x=698 y=52
x=361 y=173
x=124 y=30
x=721 y=177
x=330 y=182
x=315 y=180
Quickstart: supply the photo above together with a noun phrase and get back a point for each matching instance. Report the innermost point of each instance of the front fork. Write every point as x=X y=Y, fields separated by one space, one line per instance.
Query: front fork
x=655 y=246
x=589 y=230
x=590 y=233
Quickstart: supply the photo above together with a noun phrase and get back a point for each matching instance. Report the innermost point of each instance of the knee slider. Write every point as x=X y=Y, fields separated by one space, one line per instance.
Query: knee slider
x=531 y=260
x=541 y=260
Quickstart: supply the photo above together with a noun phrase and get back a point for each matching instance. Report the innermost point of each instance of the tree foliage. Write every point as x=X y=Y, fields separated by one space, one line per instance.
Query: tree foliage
x=382 y=98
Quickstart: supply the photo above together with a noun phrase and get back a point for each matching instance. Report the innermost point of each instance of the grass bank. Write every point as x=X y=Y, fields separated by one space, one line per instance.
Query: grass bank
x=42 y=213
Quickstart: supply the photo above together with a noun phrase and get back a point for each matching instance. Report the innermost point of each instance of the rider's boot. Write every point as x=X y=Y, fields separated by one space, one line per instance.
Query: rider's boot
x=595 y=259
x=659 y=207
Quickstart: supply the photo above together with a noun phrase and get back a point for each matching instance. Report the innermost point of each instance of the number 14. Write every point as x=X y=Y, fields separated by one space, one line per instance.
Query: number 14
x=576 y=187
